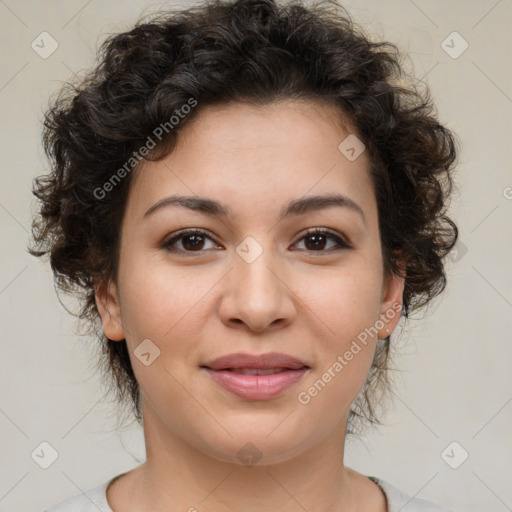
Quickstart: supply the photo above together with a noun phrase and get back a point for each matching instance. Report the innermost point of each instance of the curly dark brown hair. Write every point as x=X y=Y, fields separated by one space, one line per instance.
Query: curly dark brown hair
x=252 y=51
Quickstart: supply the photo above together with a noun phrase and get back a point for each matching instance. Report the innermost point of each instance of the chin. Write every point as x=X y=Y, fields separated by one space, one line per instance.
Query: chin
x=250 y=447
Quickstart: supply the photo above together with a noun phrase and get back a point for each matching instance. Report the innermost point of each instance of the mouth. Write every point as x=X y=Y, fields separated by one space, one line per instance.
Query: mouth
x=272 y=362
x=256 y=377
x=259 y=371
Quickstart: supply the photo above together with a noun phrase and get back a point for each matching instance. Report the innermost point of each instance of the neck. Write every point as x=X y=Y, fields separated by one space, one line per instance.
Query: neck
x=179 y=476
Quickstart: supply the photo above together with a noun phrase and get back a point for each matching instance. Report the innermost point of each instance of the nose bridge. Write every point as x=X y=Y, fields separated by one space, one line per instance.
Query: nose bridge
x=257 y=293
x=254 y=274
x=252 y=268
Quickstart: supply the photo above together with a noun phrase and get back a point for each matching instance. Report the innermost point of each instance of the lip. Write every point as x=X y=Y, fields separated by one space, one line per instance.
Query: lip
x=255 y=361
x=256 y=387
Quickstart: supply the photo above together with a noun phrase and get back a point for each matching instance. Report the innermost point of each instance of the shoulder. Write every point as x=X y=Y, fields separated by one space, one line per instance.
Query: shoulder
x=399 y=501
x=94 y=500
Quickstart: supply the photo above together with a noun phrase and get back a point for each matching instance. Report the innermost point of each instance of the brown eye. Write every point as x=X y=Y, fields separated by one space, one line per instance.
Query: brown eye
x=316 y=240
x=190 y=241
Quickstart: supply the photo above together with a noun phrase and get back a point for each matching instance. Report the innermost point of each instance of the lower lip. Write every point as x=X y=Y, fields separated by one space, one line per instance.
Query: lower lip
x=256 y=387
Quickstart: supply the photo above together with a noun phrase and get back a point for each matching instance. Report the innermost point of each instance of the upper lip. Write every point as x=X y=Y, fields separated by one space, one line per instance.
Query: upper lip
x=257 y=361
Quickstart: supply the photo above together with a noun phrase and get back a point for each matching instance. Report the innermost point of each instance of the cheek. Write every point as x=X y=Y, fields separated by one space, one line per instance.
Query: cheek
x=160 y=300
x=342 y=309
x=165 y=305
x=344 y=302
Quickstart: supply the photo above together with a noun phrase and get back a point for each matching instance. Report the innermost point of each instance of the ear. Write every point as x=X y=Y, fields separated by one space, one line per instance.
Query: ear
x=107 y=303
x=391 y=304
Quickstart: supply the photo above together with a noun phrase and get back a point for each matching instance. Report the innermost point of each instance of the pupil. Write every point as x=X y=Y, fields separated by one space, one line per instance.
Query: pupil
x=195 y=244
x=318 y=239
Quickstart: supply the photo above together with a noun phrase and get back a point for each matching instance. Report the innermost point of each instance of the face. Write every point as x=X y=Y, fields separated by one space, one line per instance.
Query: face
x=257 y=276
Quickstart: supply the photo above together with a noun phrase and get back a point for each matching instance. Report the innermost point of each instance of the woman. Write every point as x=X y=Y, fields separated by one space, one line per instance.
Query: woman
x=248 y=201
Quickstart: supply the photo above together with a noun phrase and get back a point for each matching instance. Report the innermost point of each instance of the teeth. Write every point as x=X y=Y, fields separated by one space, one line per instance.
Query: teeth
x=257 y=371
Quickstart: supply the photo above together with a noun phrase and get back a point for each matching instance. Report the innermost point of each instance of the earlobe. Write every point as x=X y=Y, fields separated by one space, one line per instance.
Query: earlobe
x=391 y=305
x=110 y=312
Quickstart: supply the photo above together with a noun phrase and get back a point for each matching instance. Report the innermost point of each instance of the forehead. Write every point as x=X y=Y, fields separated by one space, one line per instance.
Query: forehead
x=248 y=154
x=240 y=127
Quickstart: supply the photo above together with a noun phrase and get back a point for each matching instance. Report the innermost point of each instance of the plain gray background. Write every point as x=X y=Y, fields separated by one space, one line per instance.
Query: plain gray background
x=455 y=383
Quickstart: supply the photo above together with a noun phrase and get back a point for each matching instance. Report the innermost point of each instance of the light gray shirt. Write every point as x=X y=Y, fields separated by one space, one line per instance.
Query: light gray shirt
x=95 y=500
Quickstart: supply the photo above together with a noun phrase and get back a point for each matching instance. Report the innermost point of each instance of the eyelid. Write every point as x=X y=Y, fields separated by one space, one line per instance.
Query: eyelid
x=341 y=240
x=188 y=232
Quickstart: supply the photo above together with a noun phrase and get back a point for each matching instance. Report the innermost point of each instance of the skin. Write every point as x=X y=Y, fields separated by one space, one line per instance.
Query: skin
x=295 y=298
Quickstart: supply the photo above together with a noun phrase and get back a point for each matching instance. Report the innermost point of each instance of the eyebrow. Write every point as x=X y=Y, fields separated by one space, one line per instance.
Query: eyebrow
x=295 y=207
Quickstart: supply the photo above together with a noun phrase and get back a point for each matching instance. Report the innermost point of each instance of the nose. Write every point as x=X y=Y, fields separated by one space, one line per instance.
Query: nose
x=257 y=296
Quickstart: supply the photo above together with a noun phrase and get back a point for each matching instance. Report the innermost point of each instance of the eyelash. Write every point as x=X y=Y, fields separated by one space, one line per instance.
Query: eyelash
x=343 y=245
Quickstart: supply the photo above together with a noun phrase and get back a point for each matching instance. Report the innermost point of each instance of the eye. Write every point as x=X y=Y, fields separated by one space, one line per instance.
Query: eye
x=191 y=240
x=195 y=240
x=318 y=239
